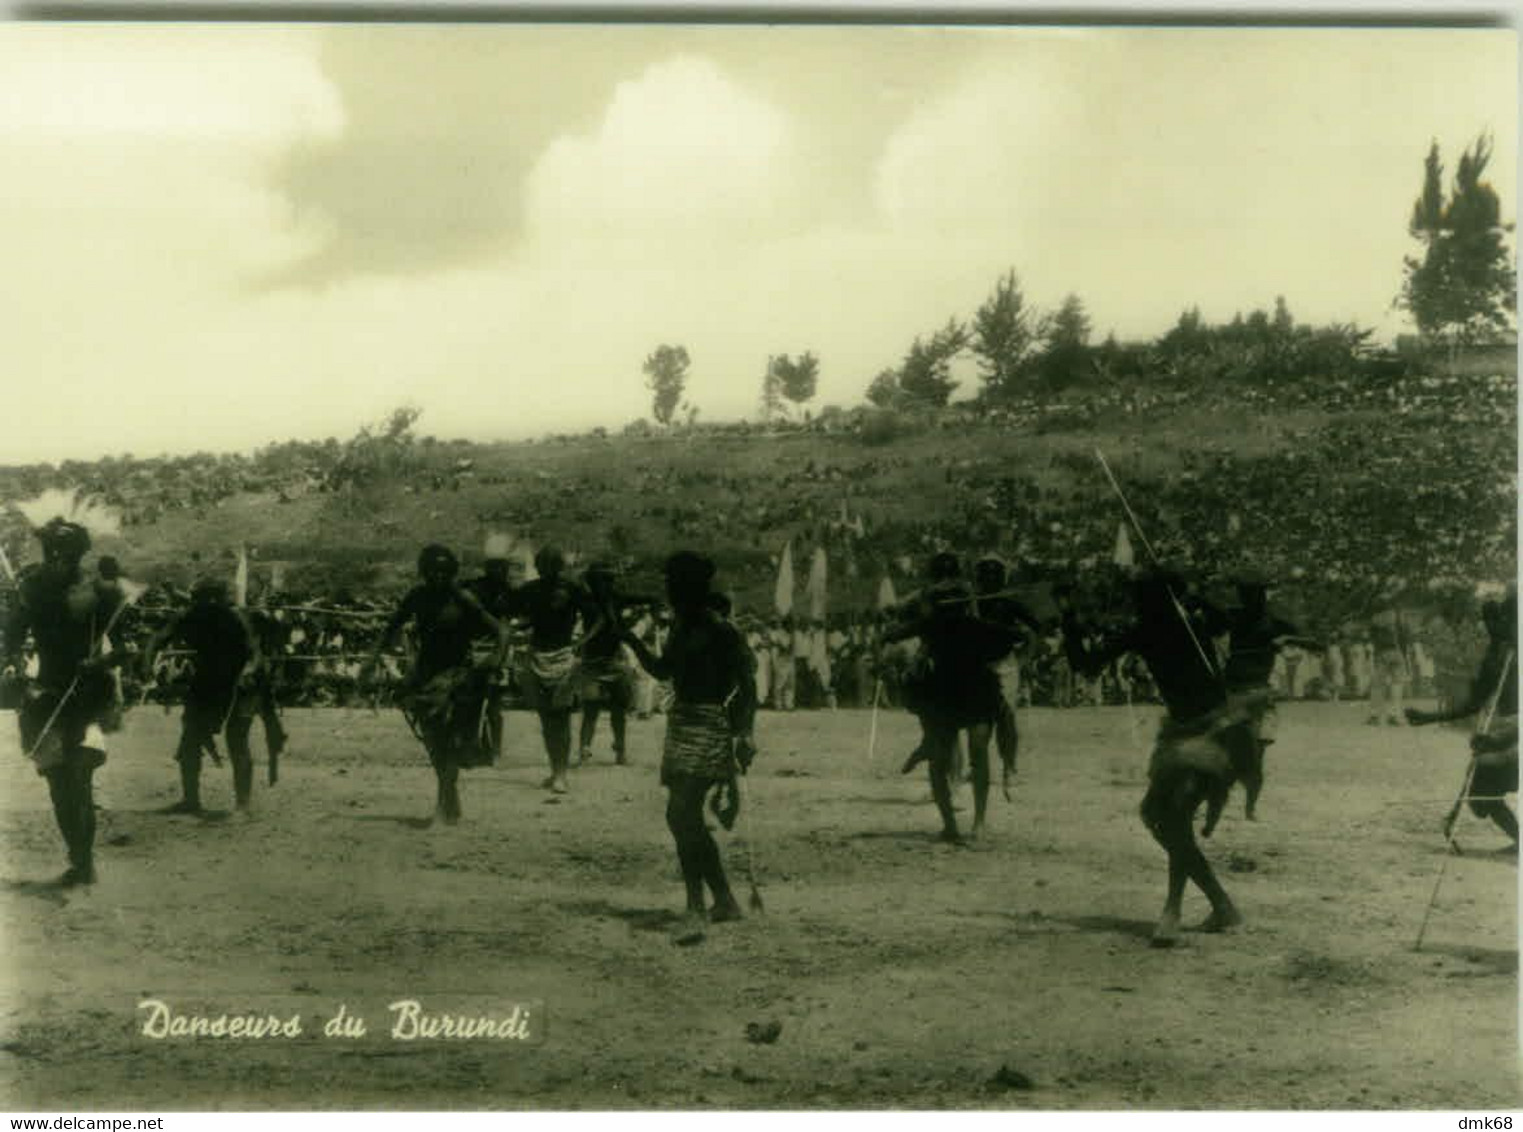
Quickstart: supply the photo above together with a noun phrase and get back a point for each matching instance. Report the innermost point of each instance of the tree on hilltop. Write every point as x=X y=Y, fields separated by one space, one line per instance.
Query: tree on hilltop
x=771 y=394
x=1462 y=288
x=884 y=390
x=795 y=380
x=925 y=374
x=1065 y=345
x=666 y=373
x=1003 y=337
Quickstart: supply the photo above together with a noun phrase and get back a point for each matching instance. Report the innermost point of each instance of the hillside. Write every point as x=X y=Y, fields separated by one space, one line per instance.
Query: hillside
x=1331 y=486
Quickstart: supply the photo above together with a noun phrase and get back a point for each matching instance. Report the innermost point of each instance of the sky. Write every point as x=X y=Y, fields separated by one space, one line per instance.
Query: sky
x=222 y=236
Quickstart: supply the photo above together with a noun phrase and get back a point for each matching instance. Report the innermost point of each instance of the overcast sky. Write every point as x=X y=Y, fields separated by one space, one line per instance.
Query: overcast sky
x=223 y=236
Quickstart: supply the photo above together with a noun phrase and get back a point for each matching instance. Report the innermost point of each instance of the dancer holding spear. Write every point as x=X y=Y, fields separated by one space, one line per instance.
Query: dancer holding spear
x=70 y=618
x=1205 y=743
x=1493 y=770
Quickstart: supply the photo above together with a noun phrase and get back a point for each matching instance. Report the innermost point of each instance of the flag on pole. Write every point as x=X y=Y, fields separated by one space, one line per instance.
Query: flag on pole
x=782 y=595
x=817 y=581
x=241 y=579
x=1123 y=556
x=887 y=598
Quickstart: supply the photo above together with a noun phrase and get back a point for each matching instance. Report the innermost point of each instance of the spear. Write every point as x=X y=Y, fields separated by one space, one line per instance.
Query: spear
x=1147 y=546
x=1483 y=729
x=1454 y=812
x=130 y=595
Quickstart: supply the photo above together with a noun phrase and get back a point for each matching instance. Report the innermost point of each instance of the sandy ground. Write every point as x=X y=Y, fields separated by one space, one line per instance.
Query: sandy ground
x=903 y=973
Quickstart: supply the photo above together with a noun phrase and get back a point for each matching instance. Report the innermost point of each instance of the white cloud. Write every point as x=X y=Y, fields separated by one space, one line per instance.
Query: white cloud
x=1142 y=175
x=163 y=83
x=681 y=153
x=980 y=157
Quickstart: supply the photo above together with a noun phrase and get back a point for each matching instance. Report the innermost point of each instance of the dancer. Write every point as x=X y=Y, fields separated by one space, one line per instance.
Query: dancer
x=606 y=680
x=69 y=618
x=1255 y=638
x=1494 y=750
x=1203 y=745
x=990 y=578
x=958 y=688
x=709 y=730
x=447 y=699
x=222 y=699
x=552 y=604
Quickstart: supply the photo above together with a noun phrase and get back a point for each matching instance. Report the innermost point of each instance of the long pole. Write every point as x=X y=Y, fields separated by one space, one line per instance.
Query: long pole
x=872 y=731
x=1484 y=728
x=74 y=684
x=1147 y=546
x=1454 y=812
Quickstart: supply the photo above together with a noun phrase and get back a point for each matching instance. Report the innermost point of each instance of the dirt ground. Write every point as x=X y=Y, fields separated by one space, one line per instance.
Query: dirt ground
x=902 y=973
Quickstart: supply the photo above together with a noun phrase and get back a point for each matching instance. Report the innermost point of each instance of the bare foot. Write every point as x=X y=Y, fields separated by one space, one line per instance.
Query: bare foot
x=1221 y=919
x=724 y=911
x=689 y=930
x=77 y=877
x=1166 y=934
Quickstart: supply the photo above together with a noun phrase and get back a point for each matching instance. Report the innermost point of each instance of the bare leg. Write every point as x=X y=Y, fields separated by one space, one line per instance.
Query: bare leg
x=1166 y=934
x=71 y=790
x=242 y=757
x=1008 y=738
x=589 y=731
x=1216 y=802
x=274 y=733
x=1169 y=810
x=697 y=854
x=618 y=720
x=188 y=756
x=1253 y=782
x=940 y=744
x=1500 y=814
x=66 y=814
x=84 y=799
x=448 y=805
x=978 y=757
x=921 y=752
x=555 y=726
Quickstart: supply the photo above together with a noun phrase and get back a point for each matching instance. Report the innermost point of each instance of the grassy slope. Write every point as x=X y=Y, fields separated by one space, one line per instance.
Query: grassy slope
x=741 y=497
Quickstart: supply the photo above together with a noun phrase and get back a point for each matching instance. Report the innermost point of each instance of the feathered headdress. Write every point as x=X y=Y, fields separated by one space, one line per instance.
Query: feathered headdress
x=76 y=507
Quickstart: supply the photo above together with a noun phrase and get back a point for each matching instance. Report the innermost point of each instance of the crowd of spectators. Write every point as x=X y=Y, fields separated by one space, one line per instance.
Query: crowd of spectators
x=1404 y=484
x=316 y=651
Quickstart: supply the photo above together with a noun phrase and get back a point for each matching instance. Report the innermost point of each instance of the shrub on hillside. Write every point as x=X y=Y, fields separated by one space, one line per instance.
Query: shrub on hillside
x=641 y=429
x=884 y=426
